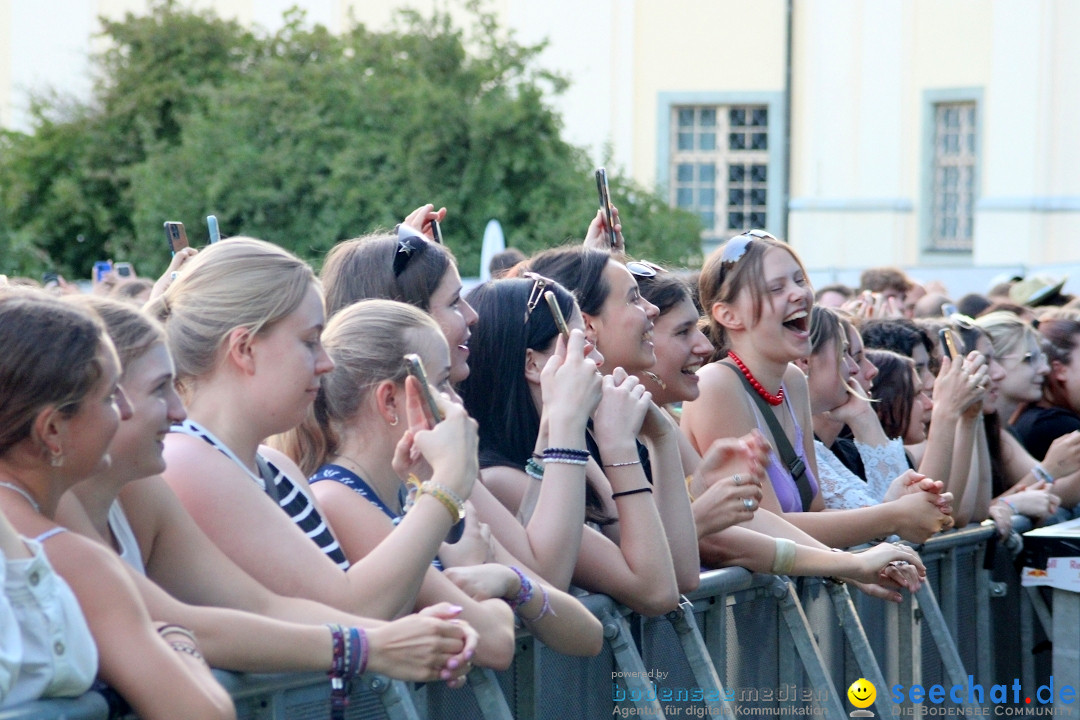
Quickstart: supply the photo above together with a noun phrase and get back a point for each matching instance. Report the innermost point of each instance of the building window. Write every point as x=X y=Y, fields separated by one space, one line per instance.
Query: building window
x=720 y=159
x=953 y=191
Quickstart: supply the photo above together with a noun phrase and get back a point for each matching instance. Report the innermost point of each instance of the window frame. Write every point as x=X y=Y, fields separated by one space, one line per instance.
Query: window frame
x=932 y=99
x=777 y=139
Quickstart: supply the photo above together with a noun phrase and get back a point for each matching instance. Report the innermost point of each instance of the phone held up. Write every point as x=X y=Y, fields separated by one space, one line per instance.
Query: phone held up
x=415 y=367
x=948 y=344
x=101 y=269
x=557 y=313
x=605 y=204
x=176 y=235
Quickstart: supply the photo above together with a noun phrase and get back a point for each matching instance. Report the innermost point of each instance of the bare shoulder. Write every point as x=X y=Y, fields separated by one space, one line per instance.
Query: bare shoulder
x=798 y=391
x=721 y=410
x=285 y=464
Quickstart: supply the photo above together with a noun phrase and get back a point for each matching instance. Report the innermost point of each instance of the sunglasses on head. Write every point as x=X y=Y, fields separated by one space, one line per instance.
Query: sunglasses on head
x=410 y=242
x=540 y=283
x=736 y=247
x=643 y=268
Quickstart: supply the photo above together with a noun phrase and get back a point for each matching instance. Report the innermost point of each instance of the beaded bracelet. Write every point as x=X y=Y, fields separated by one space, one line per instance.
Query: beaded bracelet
x=624 y=493
x=189 y=649
x=623 y=464
x=350 y=659
x=525 y=591
x=566 y=461
x=453 y=504
x=534 y=469
x=544 y=609
x=568 y=453
x=1040 y=473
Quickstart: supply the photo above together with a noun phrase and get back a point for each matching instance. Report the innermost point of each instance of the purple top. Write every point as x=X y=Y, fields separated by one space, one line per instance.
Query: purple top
x=783 y=484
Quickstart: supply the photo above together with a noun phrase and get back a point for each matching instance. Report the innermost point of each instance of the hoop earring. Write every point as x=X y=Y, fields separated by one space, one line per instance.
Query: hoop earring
x=56 y=458
x=395 y=421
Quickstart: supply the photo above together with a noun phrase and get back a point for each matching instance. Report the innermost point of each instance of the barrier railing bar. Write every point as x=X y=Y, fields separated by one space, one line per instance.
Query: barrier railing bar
x=939 y=631
x=813 y=663
x=489 y=696
x=627 y=659
x=1027 y=639
x=394 y=695
x=908 y=642
x=858 y=642
x=983 y=623
x=697 y=655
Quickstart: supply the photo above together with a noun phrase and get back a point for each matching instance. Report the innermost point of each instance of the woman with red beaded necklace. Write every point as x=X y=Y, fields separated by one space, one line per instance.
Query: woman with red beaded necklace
x=757 y=297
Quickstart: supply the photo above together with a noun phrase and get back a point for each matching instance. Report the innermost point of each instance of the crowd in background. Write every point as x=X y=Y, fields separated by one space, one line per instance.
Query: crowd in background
x=240 y=466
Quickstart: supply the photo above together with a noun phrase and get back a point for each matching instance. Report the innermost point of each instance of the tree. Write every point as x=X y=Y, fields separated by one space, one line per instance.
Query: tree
x=305 y=138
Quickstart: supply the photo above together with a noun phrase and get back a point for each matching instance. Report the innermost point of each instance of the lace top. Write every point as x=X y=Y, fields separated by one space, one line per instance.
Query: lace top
x=294 y=501
x=844 y=490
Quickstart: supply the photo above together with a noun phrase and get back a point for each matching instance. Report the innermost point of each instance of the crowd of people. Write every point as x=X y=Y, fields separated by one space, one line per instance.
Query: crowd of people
x=238 y=467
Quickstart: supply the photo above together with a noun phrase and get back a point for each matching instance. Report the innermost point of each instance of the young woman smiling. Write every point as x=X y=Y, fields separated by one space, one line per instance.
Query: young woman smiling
x=244 y=321
x=357 y=450
x=61 y=405
x=620 y=323
x=730 y=533
x=759 y=299
x=151 y=531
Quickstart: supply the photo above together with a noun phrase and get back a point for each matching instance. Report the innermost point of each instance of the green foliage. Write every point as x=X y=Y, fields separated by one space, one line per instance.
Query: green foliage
x=306 y=138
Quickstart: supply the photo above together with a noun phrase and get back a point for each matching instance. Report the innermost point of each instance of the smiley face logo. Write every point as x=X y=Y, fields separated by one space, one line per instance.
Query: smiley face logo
x=862 y=693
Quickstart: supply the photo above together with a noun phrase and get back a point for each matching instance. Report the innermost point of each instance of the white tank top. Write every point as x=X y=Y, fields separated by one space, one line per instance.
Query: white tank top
x=58 y=657
x=125 y=538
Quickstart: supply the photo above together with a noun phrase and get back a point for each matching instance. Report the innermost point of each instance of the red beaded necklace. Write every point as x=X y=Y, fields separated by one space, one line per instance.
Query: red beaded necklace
x=769 y=397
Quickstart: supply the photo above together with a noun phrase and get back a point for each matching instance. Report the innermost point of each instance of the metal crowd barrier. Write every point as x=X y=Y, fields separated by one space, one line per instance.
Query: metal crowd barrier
x=740 y=644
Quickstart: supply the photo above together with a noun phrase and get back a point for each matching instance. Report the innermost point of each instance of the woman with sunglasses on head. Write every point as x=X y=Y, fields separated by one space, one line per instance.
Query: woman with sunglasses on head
x=533 y=393
x=995 y=473
x=358 y=453
x=244 y=321
x=761 y=540
x=1007 y=473
x=128 y=508
x=618 y=321
x=60 y=405
x=758 y=298
x=408 y=267
x=1056 y=413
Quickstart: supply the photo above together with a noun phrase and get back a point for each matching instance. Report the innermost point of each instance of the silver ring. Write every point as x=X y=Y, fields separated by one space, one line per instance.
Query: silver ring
x=173 y=274
x=748 y=503
x=737 y=479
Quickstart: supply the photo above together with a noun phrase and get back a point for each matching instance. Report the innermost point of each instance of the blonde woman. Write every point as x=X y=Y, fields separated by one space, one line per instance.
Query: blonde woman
x=356 y=458
x=244 y=321
x=151 y=531
x=60 y=405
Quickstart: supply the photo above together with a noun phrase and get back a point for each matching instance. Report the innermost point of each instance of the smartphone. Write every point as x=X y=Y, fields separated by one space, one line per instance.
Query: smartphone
x=556 y=312
x=948 y=345
x=101 y=269
x=124 y=270
x=176 y=235
x=436 y=232
x=212 y=226
x=415 y=367
x=605 y=203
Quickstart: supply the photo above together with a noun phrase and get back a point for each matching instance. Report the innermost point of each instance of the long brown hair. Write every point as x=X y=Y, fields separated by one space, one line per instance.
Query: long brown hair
x=721 y=281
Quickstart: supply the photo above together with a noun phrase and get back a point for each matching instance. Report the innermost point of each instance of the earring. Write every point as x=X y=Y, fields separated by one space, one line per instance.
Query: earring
x=56 y=458
x=394 y=422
